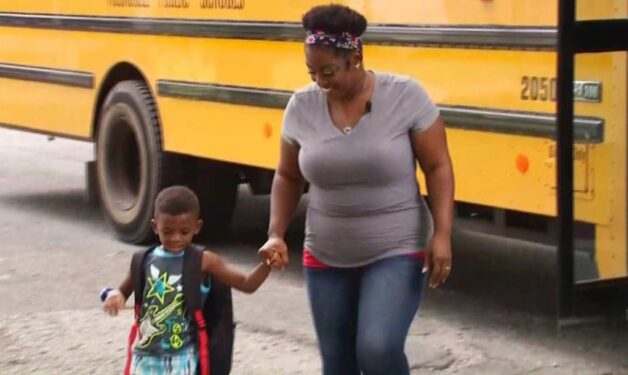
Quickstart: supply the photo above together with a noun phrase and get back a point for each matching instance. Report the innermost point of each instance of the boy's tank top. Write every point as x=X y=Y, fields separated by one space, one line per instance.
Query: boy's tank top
x=164 y=323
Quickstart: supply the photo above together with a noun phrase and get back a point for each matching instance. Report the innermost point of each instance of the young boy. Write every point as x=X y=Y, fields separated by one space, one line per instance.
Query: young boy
x=165 y=344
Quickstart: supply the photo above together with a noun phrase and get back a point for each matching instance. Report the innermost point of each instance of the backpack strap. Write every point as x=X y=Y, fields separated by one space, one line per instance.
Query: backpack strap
x=139 y=278
x=137 y=274
x=131 y=341
x=192 y=279
x=192 y=276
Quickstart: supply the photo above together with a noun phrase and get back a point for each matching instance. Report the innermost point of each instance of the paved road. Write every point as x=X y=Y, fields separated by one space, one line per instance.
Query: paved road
x=56 y=253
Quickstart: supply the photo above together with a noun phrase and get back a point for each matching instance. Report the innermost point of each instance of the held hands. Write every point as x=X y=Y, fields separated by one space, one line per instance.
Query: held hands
x=438 y=260
x=274 y=253
x=114 y=302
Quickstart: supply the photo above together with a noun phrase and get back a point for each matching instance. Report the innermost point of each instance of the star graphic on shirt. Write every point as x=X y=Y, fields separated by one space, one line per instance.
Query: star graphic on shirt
x=159 y=287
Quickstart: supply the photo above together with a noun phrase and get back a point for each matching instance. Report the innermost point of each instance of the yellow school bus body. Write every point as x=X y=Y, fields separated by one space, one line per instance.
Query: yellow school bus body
x=502 y=170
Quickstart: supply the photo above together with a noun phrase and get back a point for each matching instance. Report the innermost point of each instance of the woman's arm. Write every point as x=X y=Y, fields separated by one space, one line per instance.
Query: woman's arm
x=286 y=192
x=430 y=148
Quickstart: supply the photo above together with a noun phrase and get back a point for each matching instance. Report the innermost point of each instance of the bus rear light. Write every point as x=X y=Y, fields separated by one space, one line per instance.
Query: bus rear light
x=523 y=164
x=267 y=130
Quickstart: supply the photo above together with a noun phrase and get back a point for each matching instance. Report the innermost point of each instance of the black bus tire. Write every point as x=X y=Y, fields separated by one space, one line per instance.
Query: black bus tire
x=131 y=166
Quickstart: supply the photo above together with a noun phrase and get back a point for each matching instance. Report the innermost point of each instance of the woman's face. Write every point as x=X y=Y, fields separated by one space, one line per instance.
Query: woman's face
x=333 y=73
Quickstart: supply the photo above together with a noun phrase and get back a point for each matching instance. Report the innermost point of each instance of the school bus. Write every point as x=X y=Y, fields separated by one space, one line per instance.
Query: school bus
x=192 y=92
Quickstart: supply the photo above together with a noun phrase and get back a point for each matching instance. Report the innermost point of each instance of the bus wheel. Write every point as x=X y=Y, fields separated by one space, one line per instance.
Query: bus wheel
x=131 y=166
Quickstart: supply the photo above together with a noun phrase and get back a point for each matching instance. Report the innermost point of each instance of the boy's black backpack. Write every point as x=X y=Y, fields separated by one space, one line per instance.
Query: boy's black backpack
x=213 y=320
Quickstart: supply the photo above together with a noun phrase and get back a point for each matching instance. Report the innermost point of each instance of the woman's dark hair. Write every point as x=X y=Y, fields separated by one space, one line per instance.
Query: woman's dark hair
x=334 y=19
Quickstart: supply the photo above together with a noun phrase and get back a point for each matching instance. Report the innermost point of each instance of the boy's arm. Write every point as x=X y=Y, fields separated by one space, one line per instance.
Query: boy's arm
x=216 y=266
x=126 y=287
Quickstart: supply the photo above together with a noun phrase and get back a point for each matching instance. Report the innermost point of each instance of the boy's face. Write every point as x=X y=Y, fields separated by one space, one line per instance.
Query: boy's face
x=176 y=231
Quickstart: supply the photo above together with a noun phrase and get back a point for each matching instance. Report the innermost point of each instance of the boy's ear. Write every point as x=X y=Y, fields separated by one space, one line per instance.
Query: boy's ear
x=153 y=225
x=199 y=226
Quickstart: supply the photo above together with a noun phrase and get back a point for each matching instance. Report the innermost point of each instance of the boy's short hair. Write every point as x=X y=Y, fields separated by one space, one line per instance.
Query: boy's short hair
x=176 y=200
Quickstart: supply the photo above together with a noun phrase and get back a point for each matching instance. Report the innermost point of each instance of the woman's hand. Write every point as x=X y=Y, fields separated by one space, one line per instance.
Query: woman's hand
x=274 y=252
x=438 y=260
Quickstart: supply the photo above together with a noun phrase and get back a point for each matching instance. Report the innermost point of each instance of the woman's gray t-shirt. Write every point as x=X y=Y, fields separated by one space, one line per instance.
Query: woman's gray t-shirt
x=364 y=200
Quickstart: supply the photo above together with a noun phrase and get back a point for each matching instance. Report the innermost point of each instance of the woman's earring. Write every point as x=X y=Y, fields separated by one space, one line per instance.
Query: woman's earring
x=358 y=65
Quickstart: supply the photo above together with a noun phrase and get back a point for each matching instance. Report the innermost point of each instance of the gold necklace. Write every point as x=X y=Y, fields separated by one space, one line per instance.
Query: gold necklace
x=348 y=128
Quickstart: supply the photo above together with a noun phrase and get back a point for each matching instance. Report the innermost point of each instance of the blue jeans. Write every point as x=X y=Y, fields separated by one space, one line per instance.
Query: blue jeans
x=362 y=315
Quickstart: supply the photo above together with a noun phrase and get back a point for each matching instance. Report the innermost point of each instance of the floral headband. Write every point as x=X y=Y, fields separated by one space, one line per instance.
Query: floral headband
x=340 y=41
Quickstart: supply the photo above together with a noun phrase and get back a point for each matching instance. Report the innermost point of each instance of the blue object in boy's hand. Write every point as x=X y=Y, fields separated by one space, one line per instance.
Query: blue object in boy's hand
x=104 y=293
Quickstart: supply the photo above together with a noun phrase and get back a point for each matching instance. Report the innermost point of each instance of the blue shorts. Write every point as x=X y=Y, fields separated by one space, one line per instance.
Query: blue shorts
x=184 y=362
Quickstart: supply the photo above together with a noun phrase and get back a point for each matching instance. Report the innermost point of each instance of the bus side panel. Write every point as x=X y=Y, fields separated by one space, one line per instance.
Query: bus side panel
x=43 y=106
x=436 y=12
x=46 y=108
x=238 y=134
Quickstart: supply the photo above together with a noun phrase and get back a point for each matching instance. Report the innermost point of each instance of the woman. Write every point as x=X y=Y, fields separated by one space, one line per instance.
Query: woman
x=355 y=136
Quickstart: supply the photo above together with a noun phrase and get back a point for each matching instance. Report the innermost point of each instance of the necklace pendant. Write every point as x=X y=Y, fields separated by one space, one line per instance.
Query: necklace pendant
x=346 y=130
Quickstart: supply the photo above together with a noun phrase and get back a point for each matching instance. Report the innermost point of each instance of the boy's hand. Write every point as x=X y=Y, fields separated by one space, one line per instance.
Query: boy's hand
x=269 y=258
x=275 y=260
x=265 y=256
x=274 y=252
x=114 y=302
